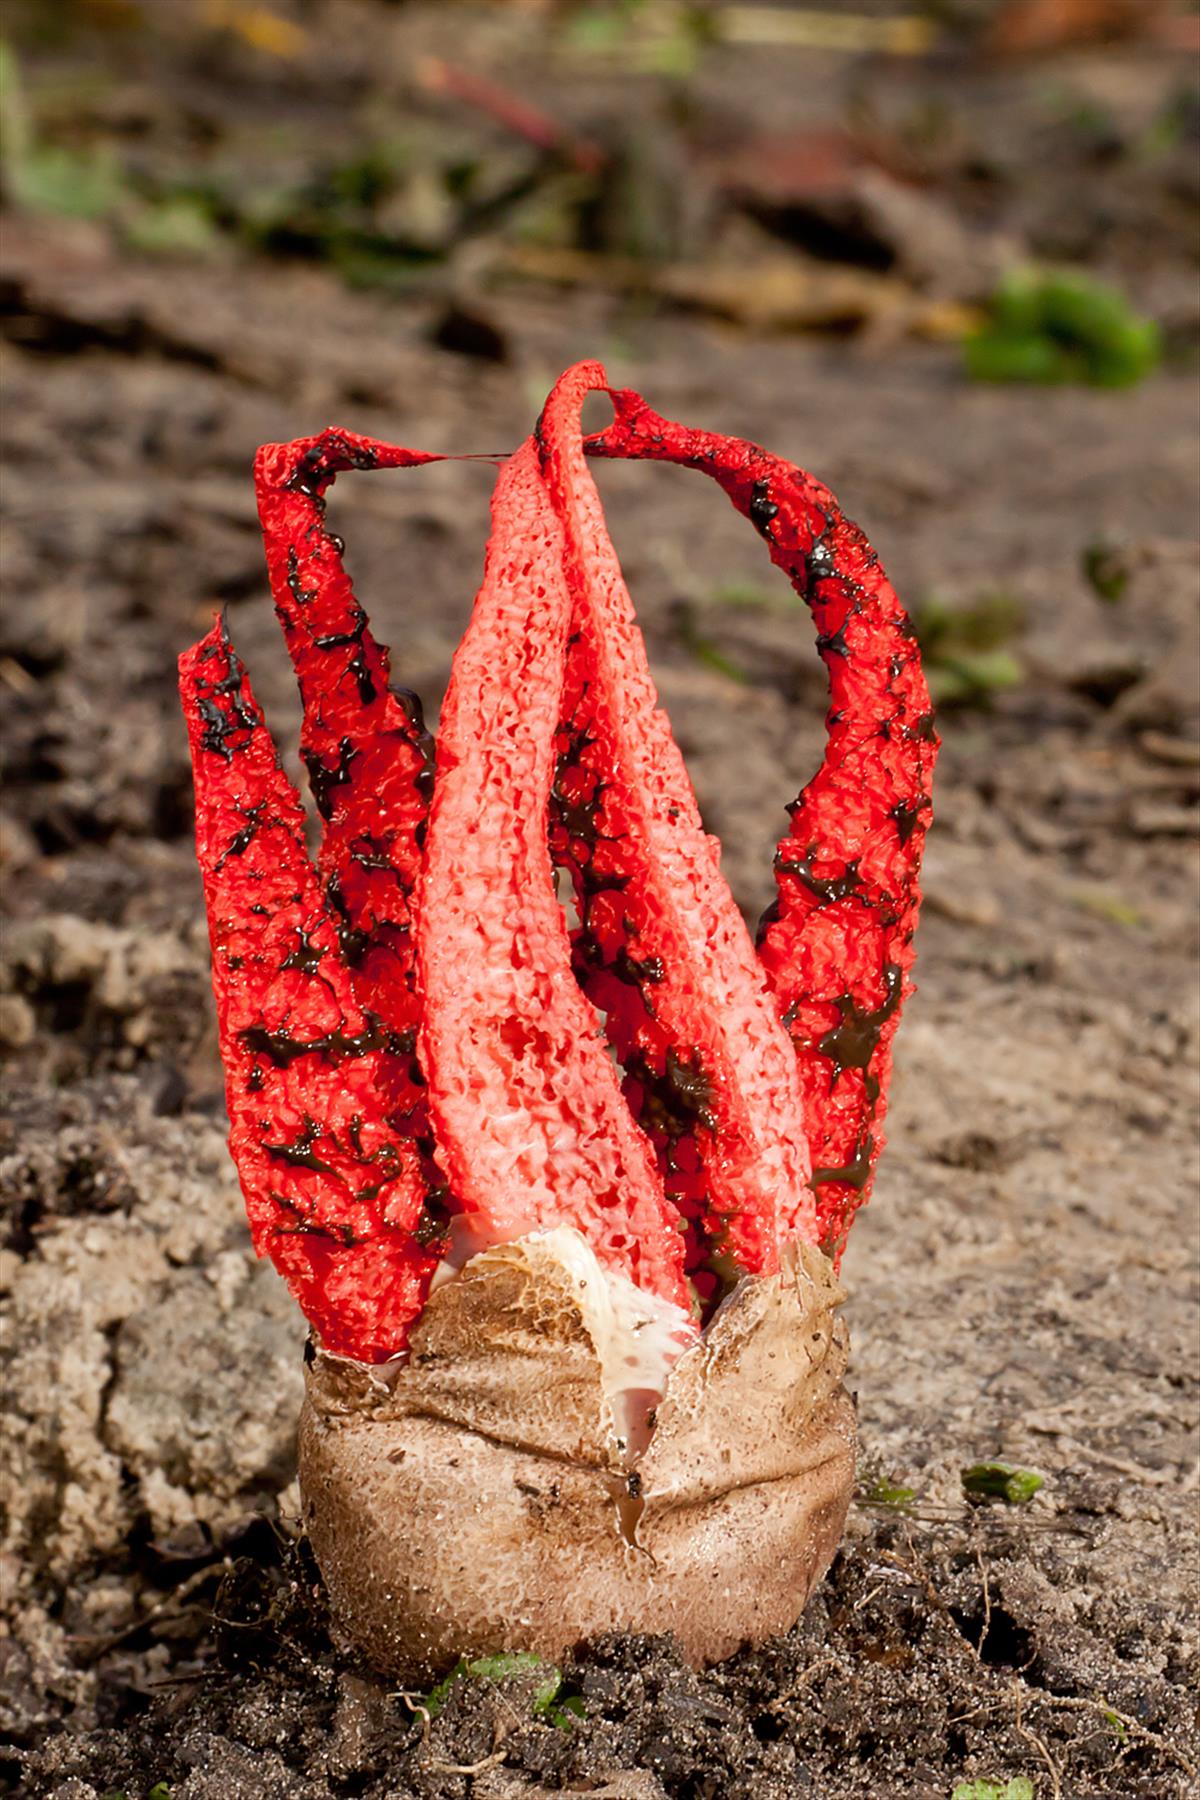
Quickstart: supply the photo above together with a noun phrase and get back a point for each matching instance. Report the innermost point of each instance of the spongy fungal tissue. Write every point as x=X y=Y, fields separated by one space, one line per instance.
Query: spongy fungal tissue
x=412 y=1034
x=523 y=1164
x=637 y=1336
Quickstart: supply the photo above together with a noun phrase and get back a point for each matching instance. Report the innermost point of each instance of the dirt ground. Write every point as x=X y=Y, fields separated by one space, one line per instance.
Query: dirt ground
x=1023 y=1284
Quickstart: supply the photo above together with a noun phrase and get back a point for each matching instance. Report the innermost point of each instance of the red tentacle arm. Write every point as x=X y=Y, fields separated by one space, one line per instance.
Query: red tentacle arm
x=529 y=1116
x=659 y=921
x=837 y=945
x=334 y=1195
x=369 y=757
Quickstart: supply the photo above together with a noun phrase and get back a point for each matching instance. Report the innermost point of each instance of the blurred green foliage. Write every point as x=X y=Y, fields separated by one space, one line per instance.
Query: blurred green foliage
x=90 y=182
x=1106 y=570
x=646 y=37
x=380 y=207
x=1047 y=326
x=965 y=648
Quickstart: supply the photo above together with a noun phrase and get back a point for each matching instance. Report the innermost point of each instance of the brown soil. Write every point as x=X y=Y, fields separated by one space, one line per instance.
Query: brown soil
x=1023 y=1284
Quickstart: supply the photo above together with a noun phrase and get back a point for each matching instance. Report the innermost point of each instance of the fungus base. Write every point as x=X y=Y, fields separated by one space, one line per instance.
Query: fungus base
x=485 y=1495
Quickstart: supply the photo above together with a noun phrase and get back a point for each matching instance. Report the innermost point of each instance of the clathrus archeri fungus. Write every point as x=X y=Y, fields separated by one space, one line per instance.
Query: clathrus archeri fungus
x=561 y=1201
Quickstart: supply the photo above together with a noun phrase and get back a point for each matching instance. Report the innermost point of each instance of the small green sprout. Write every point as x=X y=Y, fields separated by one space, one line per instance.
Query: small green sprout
x=501 y=1668
x=182 y=225
x=1106 y=571
x=1018 y=1788
x=1110 y=907
x=1047 y=326
x=965 y=647
x=887 y=1493
x=701 y=647
x=1001 y=1481
x=563 y=1715
x=972 y=679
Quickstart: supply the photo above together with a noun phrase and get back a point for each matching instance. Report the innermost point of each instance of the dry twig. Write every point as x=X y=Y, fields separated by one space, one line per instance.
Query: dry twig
x=1134 y=1727
x=802 y=1680
x=157 y=1614
x=1039 y=1744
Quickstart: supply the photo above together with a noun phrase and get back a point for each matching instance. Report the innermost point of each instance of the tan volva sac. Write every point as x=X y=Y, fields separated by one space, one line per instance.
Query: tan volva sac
x=480 y=1496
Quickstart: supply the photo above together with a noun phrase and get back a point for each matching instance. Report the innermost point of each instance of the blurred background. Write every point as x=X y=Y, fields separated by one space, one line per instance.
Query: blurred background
x=932 y=253
x=945 y=255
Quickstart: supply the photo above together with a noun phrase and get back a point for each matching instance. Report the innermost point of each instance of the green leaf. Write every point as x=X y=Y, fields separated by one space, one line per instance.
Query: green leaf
x=1061 y=325
x=1110 y=907
x=1018 y=1788
x=985 y=624
x=14 y=116
x=710 y=656
x=886 y=1493
x=1001 y=1481
x=1000 y=355
x=182 y=226
x=963 y=646
x=521 y=1662
x=437 y=1696
x=973 y=676
x=1106 y=570
x=500 y=1668
x=1135 y=354
x=1014 y=305
x=52 y=179
x=1082 y=310
x=564 y=1714
x=701 y=647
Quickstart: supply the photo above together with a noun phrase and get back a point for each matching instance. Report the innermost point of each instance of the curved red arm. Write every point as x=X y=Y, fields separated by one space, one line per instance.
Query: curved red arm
x=526 y=1105
x=370 y=759
x=837 y=944
x=334 y=1195
x=435 y=933
x=662 y=948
